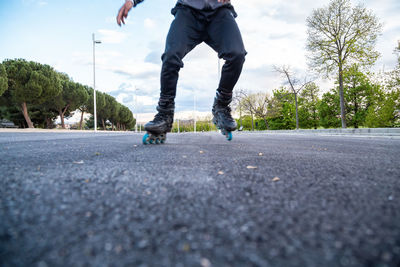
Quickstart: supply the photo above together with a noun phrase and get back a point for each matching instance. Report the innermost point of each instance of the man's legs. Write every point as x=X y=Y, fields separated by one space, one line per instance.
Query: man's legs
x=225 y=38
x=184 y=34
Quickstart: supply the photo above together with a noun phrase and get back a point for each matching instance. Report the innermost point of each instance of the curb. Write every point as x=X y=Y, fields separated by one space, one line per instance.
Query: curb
x=339 y=131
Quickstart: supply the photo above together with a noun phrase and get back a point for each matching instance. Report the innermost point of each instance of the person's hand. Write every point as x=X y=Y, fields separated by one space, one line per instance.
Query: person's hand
x=123 y=12
x=224 y=1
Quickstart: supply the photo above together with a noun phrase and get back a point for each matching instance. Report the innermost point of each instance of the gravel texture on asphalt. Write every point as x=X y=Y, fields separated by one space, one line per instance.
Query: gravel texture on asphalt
x=76 y=199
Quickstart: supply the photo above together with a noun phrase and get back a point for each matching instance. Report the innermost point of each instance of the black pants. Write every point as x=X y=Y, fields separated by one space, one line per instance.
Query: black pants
x=218 y=29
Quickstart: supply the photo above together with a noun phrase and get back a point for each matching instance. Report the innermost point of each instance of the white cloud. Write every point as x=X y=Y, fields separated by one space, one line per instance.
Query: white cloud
x=111 y=36
x=149 y=23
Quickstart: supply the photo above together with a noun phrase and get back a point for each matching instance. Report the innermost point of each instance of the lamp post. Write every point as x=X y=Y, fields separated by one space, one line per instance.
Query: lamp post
x=194 y=110
x=94 y=81
x=136 y=108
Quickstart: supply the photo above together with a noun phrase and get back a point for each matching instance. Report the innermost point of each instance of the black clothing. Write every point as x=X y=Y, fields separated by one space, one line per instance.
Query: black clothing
x=202 y=4
x=197 y=4
x=215 y=27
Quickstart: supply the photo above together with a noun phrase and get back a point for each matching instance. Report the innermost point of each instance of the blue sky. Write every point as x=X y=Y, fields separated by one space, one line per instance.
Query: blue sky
x=59 y=32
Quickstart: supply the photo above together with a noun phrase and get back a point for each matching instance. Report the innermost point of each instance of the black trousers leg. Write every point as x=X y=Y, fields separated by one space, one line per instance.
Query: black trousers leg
x=184 y=34
x=225 y=38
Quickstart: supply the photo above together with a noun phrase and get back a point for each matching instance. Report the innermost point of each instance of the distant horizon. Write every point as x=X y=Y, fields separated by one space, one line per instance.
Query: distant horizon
x=144 y=117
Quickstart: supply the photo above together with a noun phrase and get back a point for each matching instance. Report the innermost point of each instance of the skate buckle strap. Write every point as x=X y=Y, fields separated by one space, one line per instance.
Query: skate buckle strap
x=159 y=117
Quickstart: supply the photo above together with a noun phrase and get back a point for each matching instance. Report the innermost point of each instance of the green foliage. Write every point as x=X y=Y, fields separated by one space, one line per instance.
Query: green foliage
x=114 y=107
x=32 y=82
x=358 y=92
x=188 y=126
x=10 y=111
x=88 y=96
x=284 y=108
x=43 y=116
x=246 y=123
x=394 y=76
x=384 y=112
x=329 y=110
x=100 y=101
x=126 y=118
x=308 y=107
x=73 y=96
x=3 y=79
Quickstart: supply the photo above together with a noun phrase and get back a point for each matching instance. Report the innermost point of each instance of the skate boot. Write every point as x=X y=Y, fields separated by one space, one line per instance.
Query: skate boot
x=222 y=114
x=158 y=128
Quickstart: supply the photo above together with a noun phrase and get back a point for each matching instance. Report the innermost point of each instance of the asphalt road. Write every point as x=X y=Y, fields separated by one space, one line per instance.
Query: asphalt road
x=79 y=199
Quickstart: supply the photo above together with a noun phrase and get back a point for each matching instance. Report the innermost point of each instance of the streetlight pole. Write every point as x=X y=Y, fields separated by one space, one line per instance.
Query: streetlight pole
x=136 y=108
x=94 y=81
x=194 y=110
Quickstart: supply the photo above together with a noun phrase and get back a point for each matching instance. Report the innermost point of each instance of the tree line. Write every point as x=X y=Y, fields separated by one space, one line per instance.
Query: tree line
x=34 y=95
x=371 y=100
x=341 y=45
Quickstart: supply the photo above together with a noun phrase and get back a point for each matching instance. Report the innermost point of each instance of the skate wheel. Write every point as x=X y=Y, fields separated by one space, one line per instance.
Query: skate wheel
x=228 y=136
x=162 y=138
x=158 y=141
x=146 y=139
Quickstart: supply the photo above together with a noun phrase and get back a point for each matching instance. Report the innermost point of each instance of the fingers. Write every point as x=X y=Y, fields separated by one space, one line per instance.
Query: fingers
x=120 y=16
x=123 y=19
x=123 y=12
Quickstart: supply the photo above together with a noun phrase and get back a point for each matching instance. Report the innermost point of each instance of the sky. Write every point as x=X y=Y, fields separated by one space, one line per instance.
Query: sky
x=128 y=61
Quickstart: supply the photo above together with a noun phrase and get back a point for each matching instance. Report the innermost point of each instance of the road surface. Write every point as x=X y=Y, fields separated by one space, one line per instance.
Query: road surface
x=78 y=199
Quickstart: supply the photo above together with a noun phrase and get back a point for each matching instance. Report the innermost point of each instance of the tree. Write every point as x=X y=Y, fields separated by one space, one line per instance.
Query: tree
x=125 y=118
x=309 y=102
x=339 y=35
x=394 y=76
x=108 y=111
x=72 y=97
x=382 y=113
x=247 y=106
x=84 y=105
x=114 y=111
x=103 y=110
x=237 y=105
x=31 y=83
x=100 y=102
x=10 y=111
x=256 y=104
x=384 y=108
x=43 y=115
x=329 y=110
x=3 y=79
x=283 y=109
x=358 y=91
x=295 y=85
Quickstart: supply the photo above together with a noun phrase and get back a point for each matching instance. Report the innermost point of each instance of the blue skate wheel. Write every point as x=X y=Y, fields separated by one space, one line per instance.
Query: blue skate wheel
x=145 y=139
x=228 y=136
x=158 y=141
